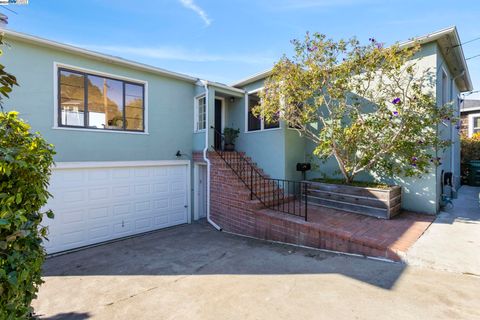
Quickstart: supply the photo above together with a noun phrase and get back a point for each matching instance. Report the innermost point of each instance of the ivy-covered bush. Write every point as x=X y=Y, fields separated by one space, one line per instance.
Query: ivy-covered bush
x=25 y=164
x=470 y=151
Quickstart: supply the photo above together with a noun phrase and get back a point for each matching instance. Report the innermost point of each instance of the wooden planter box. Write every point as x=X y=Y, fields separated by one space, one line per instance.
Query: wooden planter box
x=380 y=203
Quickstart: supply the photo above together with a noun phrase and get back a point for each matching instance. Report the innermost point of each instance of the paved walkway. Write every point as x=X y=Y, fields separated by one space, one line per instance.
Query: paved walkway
x=195 y=272
x=452 y=242
x=394 y=236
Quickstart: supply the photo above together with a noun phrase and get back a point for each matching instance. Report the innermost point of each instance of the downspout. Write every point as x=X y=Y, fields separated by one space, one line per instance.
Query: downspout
x=205 y=157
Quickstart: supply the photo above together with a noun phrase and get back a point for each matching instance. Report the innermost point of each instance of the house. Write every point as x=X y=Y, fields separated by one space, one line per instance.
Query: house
x=136 y=144
x=469 y=117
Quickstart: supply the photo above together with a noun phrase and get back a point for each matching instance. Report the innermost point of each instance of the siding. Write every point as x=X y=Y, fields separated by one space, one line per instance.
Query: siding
x=170 y=108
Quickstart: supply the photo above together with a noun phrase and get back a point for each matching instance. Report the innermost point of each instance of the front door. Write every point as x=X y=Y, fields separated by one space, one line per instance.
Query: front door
x=218 y=124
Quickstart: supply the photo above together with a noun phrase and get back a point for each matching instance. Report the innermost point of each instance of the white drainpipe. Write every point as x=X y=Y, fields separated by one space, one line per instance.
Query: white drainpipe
x=205 y=153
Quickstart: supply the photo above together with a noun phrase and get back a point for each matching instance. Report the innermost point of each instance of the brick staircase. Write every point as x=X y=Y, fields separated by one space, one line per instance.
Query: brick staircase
x=232 y=208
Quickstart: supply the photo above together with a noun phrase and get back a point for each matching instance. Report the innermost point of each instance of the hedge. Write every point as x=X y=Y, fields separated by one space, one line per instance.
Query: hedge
x=25 y=163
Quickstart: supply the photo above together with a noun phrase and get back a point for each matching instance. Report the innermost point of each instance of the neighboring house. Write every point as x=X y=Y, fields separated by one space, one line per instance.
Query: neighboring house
x=134 y=141
x=470 y=117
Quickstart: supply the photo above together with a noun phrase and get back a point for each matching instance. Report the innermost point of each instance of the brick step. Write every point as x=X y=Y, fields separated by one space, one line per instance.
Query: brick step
x=266 y=202
x=235 y=182
x=244 y=193
x=222 y=164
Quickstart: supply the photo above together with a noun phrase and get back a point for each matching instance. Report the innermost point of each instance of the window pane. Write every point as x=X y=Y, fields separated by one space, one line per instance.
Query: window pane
x=105 y=100
x=476 y=122
x=201 y=121
x=134 y=107
x=254 y=123
x=72 y=104
x=271 y=125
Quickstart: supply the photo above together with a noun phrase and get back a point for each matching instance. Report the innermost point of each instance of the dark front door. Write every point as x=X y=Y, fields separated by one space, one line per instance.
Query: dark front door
x=218 y=124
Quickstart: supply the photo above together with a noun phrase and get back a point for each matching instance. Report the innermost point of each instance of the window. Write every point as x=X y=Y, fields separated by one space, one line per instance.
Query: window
x=98 y=102
x=256 y=123
x=444 y=88
x=474 y=124
x=200 y=114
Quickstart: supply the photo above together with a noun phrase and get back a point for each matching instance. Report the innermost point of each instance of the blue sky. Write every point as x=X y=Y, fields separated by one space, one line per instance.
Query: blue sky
x=228 y=40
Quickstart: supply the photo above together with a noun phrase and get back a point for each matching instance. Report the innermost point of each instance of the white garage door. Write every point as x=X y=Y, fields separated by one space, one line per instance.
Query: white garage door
x=96 y=202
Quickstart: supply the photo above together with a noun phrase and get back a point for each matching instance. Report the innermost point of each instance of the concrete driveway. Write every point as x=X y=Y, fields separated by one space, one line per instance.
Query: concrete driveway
x=195 y=272
x=452 y=242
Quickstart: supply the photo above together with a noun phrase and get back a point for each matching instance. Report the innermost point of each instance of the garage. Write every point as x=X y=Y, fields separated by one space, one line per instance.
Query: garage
x=95 y=202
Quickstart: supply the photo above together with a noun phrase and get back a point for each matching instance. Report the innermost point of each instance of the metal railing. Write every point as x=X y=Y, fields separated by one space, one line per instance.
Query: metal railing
x=282 y=195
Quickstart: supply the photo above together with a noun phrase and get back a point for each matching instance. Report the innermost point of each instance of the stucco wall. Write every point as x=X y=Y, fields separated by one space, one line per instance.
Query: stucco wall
x=266 y=148
x=170 y=108
x=419 y=194
x=450 y=157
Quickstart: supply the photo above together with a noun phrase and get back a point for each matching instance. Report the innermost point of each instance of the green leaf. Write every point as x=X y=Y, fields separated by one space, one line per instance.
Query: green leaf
x=50 y=214
x=18 y=198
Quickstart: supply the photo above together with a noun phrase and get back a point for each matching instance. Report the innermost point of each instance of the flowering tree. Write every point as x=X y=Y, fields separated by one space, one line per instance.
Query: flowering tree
x=371 y=108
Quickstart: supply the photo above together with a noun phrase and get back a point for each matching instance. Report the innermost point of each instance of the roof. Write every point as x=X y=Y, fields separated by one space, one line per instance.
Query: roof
x=96 y=55
x=470 y=105
x=450 y=46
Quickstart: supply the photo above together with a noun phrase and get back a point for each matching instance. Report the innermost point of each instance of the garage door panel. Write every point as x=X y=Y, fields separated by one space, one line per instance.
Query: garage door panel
x=100 y=175
x=160 y=188
x=98 y=213
x=142 y=172
x=120 y=174
x=121 y=191
x=101 y=233
x=143 y=224
x=98 y=204
x=122 y=209
x=141 y=189
x=98 y=193
x=142 y=207
x=160 y=172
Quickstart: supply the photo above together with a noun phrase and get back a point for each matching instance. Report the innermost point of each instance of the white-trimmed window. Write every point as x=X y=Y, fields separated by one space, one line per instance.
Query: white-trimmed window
x=254 y=123
x=92 y=101
x=473 y=123
x=200 y=113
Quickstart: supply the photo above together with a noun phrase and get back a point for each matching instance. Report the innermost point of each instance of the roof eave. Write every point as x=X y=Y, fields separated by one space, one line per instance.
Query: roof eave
x=96 y=55
x=431 y=37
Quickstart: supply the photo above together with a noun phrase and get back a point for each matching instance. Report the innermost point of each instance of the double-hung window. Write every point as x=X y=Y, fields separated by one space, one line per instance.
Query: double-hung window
x=200 y=113
x=98 y=102
x=257 y=123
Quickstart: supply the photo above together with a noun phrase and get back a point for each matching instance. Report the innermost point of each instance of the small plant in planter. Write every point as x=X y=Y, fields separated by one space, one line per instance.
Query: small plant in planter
x=230 y=135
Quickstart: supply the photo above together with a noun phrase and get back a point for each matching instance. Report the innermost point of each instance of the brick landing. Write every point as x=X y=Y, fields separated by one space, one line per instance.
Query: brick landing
x=232 y=209
x=388 y=238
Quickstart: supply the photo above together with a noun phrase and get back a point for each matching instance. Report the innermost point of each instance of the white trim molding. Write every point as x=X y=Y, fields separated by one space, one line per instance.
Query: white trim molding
x=57 y=65
x=118 y=164
x=196 y=105
x=262 y=122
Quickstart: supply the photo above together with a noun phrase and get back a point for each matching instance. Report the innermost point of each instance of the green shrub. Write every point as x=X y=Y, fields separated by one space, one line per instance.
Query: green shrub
x=25 y=164
x=470 y=150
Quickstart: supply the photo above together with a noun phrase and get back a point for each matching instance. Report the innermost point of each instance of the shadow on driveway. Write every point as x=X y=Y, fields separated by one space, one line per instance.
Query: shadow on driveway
x=198 y=249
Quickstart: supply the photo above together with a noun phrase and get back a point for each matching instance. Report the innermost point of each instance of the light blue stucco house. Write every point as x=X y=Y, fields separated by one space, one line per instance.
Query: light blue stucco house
x=126 y=134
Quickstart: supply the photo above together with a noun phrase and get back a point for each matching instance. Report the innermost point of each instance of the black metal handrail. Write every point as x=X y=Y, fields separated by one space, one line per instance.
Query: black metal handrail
x=287 y=196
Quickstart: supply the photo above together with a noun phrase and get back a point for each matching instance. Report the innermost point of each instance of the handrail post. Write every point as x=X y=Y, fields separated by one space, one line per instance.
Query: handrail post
x=305 y=201
x=251 y=183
